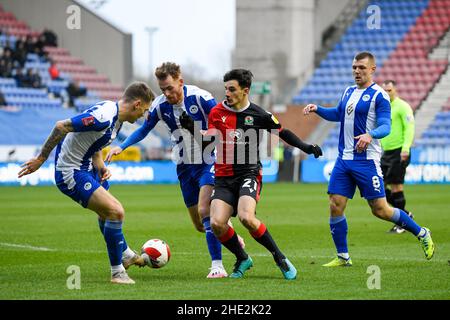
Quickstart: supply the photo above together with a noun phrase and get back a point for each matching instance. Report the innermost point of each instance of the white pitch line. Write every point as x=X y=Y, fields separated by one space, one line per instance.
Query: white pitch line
x=198 y=253
x=25 y=246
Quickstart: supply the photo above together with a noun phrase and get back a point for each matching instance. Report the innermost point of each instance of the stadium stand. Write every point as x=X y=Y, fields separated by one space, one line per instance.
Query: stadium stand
x=37 y=110
x=334 y=72
x=71 y=68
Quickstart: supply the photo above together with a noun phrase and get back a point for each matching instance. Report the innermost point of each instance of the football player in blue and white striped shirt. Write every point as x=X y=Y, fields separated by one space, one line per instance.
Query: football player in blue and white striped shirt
x=364 y=114
x=80 y=171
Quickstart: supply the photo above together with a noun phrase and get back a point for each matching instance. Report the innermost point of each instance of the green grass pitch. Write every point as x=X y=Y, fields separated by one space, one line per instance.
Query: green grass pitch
x=42 y=233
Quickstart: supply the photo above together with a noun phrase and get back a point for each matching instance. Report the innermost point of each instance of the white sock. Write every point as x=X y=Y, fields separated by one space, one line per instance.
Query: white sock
x=216 y=263
x=344 y=255
x=128 y=253
x=116 y=269
x=422 y=232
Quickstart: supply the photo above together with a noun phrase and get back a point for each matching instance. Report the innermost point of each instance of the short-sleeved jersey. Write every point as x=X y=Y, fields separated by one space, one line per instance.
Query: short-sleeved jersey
x=197 y=103
x=94 y=129
x=358 y=110
x=237 y=151
x=402 y=127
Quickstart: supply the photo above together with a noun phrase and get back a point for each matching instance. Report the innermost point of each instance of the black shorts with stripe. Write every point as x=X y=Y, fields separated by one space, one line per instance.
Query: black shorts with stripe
x=230 y=189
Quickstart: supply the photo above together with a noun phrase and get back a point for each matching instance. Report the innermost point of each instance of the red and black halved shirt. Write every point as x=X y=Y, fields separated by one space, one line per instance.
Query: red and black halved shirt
x=239 y=134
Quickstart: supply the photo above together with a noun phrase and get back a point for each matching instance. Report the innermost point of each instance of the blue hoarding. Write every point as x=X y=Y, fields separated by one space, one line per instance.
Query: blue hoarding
x=122 y=173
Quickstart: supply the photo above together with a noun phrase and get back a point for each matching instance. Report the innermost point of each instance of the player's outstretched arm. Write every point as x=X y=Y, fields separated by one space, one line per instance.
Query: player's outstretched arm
x=60 y=130
x=290 y=137
x=330 y=114
x=309 y=108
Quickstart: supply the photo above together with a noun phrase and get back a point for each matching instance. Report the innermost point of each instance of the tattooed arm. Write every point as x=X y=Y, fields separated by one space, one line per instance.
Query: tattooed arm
x=60 y=130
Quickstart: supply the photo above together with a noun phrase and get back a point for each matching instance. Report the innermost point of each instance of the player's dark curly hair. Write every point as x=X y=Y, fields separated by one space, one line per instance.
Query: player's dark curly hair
x=168 y=69
x=139 y=91
x=242 y=76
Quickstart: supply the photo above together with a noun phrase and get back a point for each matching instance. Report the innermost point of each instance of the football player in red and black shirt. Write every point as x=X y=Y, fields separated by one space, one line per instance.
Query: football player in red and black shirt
x=237 y=124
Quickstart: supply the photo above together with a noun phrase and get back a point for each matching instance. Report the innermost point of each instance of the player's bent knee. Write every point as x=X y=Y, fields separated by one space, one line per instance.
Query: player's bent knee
x=381 y=211
x=249 y=221
x=218 y=228
x=115 y=212
x=336 y=209
x=337 y=206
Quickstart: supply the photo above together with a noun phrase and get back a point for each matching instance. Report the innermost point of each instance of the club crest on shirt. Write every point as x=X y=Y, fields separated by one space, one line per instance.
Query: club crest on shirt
x=366 y=98
x=350 y=109
x=224 y=118
x=193 y=109
x=87 y=186
x=248 y=120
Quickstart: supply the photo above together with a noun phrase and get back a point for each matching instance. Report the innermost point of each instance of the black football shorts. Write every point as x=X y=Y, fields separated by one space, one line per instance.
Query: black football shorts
x=394 y=169
x=230 y=189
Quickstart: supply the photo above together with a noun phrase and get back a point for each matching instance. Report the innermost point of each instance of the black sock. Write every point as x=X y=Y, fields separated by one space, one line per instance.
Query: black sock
x=231 y=242
x=398 y=200
x=389 y=196
x=263 y=237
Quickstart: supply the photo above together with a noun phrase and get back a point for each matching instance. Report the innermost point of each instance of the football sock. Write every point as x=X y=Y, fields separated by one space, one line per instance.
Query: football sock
x=214 y=245
x=398 y=200
x=116 y=269
x=422 y=232
x=128 y=253
x=339 y=230
x=388 y=193
x=216 y=263
x=402 y=219
x=263 y=237
x=230 y=240
x=101 y=225
x=114 y=241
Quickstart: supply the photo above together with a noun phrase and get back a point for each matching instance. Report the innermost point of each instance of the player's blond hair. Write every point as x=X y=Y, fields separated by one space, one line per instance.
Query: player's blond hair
x=168 y=69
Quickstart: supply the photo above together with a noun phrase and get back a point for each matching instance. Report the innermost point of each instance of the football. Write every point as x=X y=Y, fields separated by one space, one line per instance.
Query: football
x=156 y=253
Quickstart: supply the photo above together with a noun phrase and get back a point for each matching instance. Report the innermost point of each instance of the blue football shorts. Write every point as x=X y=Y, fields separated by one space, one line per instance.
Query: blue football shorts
x=366 y=174
x=192 y=177
x=79 y=184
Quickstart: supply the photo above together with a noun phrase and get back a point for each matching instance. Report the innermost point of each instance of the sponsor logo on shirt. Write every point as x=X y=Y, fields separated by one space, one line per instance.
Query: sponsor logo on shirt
x=350 y=109
x=88 y=121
